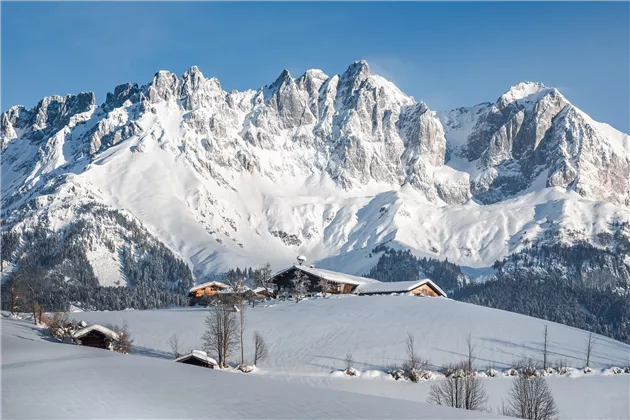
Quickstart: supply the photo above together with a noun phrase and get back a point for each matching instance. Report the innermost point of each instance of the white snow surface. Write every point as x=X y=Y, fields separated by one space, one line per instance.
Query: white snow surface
x=95 y=327
x=309 y=340
x=198 y=354
x=393 y=286
x=333 y=276
x=46 y=380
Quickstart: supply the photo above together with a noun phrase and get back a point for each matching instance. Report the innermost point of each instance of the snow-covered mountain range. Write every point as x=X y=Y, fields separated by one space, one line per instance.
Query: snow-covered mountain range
x=325 y=166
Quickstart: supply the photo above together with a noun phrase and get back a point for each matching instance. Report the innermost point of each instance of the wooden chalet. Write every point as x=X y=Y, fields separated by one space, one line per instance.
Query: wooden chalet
x=198 y=358
x=96 y=336
x=424 y=287
x=338 y=283
x=211 y=288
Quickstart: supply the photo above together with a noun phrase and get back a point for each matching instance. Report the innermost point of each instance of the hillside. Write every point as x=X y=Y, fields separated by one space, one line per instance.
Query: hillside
x=309 y=340
x=73 y=382
x=326 y=166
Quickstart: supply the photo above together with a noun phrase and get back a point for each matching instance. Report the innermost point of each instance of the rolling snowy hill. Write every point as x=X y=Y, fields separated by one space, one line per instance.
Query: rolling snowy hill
x=46 y=380
x=309 y=340
x=326 y=166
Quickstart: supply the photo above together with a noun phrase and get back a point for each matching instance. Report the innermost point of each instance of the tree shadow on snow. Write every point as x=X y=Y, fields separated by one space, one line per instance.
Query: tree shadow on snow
x=149 y=352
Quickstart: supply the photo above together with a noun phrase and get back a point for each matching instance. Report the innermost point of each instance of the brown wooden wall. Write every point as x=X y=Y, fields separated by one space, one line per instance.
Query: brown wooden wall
x=425 y=290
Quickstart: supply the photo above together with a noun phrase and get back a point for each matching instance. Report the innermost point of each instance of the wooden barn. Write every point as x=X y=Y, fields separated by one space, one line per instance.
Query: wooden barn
x=198 y=358
x=96 y=336
x=424 y=287
x=338 y=283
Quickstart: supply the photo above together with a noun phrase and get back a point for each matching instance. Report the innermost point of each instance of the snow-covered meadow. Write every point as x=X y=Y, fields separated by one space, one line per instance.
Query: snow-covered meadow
x=42 y=379
x=308 y=342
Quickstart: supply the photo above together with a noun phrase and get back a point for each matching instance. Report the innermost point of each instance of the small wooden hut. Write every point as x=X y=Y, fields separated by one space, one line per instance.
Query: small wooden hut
x=96 y=336
x=198 y=358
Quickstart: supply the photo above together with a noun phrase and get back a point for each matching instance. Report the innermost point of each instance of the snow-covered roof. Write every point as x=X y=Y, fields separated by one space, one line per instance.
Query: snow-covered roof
x=331 y=276
x=197 y=354
x=103 y=330
x=396 y=287
x=210 y=283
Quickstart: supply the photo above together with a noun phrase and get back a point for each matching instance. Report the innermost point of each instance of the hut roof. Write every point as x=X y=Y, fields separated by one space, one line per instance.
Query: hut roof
x=103 y=330
x=331 y=276
x=210 y=283
x=197 y=354
x=396 y=287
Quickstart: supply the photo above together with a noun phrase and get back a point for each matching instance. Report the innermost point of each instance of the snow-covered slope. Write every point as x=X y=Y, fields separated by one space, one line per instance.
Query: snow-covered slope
x=46 y=380
x=309 y=340
x=326 y=166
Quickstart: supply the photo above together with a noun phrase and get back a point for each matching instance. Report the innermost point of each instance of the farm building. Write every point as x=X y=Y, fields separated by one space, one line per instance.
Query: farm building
x=96 y=336
x=215 y=289
x=419 y=288
x=198 y=358
x=208 y=289
x=339 y=283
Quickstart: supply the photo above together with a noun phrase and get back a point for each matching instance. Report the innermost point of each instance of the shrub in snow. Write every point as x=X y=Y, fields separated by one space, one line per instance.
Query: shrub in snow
x=511 y=372
x=60 y=327
x=465 y=391
x=491 y=372
x=124 y=342
x=627 y=370
x=587 y=369
x=396 y=373
x=351 y=372
x=426 y=375
x=547 y=372
x=530 y=399
x=448 y=370
x=527 y=368
x=245 y=368
x=616 y=370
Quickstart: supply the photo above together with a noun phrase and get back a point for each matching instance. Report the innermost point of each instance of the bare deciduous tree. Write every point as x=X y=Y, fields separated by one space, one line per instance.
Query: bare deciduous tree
x=262 y=278
x=299 y=282
x=241 y=329
x=221 y=335
x=530 y=398
x=15 y=286
x=544 y=349
x=239 y=292
x=260 y=348
x=590 y=345
x=460 y=390
x=349 y=362
x=34 y=283
x=124 y=343
x=471 y=352
x=323 y=285
x=59 y=326
x=412 y=357
x=174 y=343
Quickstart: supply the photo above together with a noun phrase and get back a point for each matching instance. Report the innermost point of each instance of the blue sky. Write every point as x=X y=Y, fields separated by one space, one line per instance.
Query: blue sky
x=446 y=54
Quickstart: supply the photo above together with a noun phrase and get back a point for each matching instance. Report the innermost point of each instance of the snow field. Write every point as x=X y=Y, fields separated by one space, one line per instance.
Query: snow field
x=308 y=342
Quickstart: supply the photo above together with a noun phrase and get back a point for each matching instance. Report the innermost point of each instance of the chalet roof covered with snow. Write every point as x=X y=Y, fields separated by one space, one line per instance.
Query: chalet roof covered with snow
x=396 y=287
x=207 y=284
x=197 y=354
x=331 y=276
x=103 y=330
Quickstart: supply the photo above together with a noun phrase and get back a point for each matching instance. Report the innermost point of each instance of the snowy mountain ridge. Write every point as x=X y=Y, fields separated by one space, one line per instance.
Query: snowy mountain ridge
x=327 y=166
